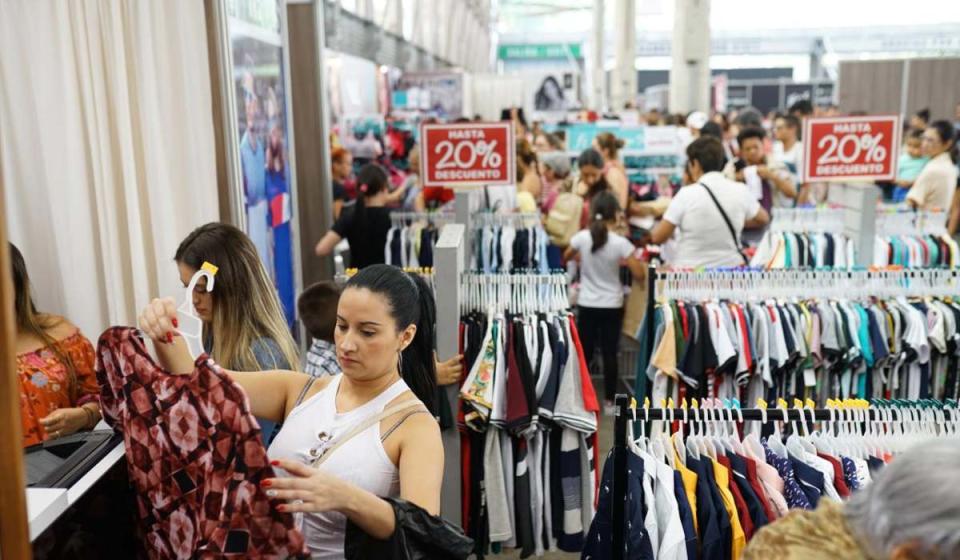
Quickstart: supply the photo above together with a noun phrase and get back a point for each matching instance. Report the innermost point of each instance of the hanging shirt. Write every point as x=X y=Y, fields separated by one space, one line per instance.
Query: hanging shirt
x=199 y=428
x=738 y=539
x=714 y=522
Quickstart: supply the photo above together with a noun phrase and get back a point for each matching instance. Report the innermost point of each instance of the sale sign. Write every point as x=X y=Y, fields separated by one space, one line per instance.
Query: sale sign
x=851 y=148
x=467 y=154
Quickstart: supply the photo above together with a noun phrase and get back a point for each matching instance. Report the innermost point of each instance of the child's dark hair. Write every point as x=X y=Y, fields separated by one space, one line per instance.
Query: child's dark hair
x=317 y=306
x=411 y=303
x=915 y=134
x=603 y=209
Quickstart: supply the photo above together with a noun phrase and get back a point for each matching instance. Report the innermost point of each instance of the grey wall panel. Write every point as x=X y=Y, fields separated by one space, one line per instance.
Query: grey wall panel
x=876 y=86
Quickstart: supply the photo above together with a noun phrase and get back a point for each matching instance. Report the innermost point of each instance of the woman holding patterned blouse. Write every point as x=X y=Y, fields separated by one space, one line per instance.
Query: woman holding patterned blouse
x=55 y=367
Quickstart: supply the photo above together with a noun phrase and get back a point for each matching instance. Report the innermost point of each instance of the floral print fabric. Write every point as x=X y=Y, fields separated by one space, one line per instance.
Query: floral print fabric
x=45 y=385
x=195 y=457
x=791 y=488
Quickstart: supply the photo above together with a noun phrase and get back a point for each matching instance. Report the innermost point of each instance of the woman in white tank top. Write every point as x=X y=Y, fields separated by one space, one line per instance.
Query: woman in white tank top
x=350 y=439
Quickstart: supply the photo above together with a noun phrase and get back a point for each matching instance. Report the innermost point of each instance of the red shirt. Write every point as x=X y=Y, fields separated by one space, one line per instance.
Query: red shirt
x=742 y=512
x=754 y=481
x=838 y=481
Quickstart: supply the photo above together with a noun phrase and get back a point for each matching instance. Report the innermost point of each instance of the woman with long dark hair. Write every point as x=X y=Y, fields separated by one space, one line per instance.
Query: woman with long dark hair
x=55 y=367
x=591 y=182
x=384 y=400
x=602 y=251
x=365 y=223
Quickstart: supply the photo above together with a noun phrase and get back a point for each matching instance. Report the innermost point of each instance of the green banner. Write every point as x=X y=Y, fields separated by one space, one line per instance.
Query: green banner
x=538 y=51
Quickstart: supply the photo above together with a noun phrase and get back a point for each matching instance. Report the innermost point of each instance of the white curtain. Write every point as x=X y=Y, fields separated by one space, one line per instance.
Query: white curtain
x=106 y=148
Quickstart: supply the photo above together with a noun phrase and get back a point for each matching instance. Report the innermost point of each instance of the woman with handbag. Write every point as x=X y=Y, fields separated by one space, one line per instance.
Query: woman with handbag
x=710 y=213
x=348 y=441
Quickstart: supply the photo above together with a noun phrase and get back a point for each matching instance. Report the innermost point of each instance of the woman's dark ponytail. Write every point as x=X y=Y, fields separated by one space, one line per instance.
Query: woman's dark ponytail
x=419 y=367
x=411 y=303
x=603 y=210
x=371 y=179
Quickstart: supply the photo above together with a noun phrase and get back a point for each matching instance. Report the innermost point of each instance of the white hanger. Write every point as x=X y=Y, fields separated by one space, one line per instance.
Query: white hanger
x=735 y=443
x=190 y=326
x=775 y=441
x=692 y=447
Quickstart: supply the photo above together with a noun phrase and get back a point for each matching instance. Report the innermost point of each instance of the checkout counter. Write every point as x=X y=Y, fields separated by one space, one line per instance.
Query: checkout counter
x=60 y=472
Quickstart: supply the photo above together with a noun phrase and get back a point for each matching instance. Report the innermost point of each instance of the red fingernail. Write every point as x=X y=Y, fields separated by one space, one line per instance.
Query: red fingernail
x=266 y=483
x=281 y=508
x=275 y=463
x=176 y=324
x=170 y=338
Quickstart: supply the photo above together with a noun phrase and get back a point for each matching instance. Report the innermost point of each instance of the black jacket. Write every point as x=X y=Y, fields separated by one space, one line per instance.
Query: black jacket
x=418 y=536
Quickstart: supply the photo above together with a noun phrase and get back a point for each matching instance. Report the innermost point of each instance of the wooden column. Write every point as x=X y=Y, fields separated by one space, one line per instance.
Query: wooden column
x=14 y=530
x=305 y=34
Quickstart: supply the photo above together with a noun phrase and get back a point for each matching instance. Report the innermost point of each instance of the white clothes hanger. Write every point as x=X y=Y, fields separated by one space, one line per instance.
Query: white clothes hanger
x=775 y=441
x=190 y=326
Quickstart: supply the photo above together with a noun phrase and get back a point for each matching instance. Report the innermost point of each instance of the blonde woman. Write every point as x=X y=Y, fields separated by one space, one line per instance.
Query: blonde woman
x=243 y=326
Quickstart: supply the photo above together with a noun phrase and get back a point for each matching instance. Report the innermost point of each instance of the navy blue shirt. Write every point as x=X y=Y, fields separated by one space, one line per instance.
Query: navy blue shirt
x=754 y=507
x=713 y=520
x=686 y=516
x=810 y=479
x=599 y=542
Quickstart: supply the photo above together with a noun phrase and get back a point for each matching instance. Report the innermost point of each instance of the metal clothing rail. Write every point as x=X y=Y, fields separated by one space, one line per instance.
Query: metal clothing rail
x=517 y=293
x=909 y=222
x=808 y=220
x=625 y=414
x=753 y=285
x=399 y=218
x=483 y=219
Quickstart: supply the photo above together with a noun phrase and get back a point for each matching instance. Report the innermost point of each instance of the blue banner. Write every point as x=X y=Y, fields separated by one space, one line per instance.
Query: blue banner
x=580 y=137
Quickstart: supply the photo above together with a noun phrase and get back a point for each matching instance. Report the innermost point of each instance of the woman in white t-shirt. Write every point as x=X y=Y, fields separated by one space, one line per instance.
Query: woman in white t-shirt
x=600 y=302
x=707 y=217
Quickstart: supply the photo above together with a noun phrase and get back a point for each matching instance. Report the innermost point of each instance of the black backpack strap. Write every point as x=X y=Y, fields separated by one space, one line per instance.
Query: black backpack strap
x=733 y=232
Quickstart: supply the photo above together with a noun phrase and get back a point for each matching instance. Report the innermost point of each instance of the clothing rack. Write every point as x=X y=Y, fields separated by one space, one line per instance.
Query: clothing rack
x=762 y=284
x=902 y=220
x=483 y=219
x=753 y=285
x=516 y=293
x=808 y=220
x=756 y=285
x=625 y=413
x=439 y=218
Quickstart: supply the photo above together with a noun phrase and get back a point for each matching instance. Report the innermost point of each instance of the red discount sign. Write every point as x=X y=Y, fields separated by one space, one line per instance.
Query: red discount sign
x=851 y=148
x=467 y=154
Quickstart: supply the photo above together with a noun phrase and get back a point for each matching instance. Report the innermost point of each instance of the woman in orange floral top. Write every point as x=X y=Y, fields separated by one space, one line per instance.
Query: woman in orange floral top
x=55 y=366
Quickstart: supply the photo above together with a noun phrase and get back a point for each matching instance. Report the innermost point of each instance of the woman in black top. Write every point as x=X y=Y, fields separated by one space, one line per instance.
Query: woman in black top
x=364 y=223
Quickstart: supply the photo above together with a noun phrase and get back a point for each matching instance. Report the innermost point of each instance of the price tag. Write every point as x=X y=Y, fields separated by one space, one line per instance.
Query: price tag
x=467 y=154
x=851 y=148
